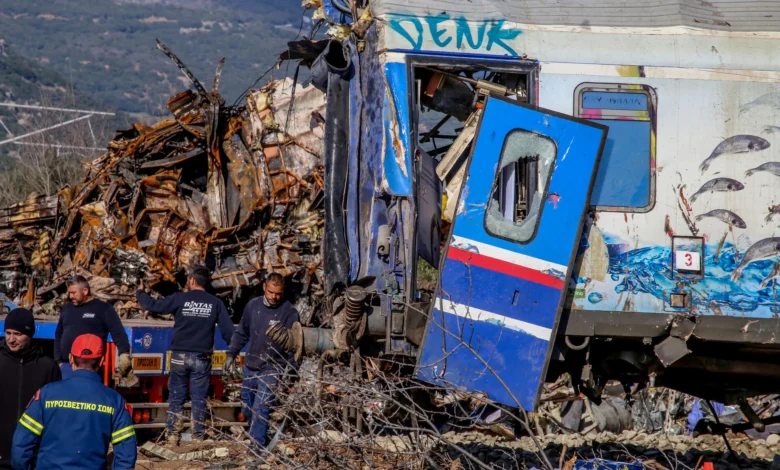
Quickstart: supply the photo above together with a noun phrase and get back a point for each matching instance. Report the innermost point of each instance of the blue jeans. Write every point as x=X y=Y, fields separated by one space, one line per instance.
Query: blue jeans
x=194 y=368
x=257 y=396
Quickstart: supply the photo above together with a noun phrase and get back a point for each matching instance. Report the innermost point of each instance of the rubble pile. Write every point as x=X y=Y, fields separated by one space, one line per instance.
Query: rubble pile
x=239 y=188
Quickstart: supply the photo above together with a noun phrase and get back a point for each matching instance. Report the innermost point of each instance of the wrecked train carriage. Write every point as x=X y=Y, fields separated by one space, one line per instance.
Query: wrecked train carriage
x=673 y=269
x=232 y=190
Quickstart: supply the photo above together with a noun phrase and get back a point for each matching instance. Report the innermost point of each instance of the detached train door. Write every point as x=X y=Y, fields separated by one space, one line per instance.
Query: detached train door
x=503 y=278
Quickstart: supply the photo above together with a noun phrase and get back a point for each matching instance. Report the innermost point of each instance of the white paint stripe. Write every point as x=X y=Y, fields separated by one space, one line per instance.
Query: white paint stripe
x=394 y=57
x=564 y=68
x=495 y=252
x=475 y=314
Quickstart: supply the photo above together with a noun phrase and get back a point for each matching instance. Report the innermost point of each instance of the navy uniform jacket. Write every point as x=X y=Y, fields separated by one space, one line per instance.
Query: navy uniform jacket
x=262 y=351
x=70 y=424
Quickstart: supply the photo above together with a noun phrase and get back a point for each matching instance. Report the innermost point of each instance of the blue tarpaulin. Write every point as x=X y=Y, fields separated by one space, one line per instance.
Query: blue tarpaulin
x=598 y=464
x=697 y=413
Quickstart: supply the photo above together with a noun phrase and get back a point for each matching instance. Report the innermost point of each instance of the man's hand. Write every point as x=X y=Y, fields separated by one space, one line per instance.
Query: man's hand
x=229 y=366
x=141 y=285
x=125 y=364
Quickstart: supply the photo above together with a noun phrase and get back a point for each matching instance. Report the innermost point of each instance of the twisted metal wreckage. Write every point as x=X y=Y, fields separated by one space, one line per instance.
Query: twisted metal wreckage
x=236 y=187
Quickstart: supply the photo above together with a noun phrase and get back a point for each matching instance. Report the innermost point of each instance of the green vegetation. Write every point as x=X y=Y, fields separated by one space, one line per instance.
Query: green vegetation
x=427 y=276
x=106 y=49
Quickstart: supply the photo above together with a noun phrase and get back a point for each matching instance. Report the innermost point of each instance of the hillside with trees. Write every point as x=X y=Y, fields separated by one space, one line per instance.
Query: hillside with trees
x=105 y=49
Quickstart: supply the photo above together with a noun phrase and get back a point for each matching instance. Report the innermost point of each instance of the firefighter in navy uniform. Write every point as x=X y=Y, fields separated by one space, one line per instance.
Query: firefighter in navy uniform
x=70 y=424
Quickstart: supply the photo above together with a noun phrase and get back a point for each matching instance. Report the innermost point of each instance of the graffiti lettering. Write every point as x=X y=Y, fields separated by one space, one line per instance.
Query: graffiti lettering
x=396 y=23
x=436 y=33
x=442 y=28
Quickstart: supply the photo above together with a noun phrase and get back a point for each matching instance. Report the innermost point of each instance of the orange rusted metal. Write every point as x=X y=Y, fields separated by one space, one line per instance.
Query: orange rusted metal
x=217 y=185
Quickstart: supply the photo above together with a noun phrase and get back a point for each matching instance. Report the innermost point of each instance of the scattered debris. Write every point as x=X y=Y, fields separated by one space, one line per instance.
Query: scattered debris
x=154 y=450
x=238 y=188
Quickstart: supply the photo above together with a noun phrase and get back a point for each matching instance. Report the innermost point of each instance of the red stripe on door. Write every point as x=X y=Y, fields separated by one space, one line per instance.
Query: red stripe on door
x=511 y=269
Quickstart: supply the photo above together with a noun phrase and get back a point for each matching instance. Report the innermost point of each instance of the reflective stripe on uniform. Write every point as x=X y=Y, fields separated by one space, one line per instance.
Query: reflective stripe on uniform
x=31 y=424
x=122 y=434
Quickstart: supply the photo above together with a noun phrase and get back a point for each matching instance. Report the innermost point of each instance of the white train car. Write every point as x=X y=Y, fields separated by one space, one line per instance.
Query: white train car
x=678 y=272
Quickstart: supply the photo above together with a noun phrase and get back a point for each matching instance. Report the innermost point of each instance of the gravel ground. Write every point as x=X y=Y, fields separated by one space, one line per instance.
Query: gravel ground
x=654 y=451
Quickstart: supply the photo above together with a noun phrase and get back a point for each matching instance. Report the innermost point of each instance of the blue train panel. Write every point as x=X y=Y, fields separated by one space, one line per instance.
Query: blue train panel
x=513 y=240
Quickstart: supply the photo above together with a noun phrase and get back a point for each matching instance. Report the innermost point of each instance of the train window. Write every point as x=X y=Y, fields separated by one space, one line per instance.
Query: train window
x=524 y=171
x=626 y=176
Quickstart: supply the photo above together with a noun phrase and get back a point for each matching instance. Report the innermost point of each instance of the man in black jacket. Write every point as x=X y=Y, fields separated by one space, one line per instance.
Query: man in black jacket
x=24 y=369
x=88 y=315
x=265 y=360
x=196 y=312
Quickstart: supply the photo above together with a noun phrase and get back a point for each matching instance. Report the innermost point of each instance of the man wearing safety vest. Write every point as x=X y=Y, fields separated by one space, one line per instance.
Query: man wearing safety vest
x=70 y=424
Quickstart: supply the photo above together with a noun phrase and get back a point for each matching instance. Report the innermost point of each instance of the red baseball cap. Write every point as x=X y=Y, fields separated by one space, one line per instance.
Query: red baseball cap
x=87 y=347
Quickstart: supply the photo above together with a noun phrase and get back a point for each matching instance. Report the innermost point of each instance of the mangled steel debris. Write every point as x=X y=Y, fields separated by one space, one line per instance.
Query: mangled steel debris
x=237 y=188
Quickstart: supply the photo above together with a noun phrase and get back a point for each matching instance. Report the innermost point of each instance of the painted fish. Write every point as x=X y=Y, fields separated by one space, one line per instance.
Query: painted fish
x=769 y=167
x=775 y=272
x=771 y=130
x=718 y=184
x=772 y=211
x=764 y=249
x=770 y=99
x=724 y=216
x=736 y=144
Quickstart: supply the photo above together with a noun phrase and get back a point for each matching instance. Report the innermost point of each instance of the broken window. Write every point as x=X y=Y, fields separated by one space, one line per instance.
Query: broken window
x=445 y=117
x=626 y=178
x=524 y=171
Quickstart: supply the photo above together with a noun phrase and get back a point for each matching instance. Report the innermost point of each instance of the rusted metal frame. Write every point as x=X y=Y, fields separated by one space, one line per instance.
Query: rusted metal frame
x=79 y=201
x=280 y=156
x=294 y=141
x=195 y=82
x=215 y=181
x=242 y=171
x=217 y=75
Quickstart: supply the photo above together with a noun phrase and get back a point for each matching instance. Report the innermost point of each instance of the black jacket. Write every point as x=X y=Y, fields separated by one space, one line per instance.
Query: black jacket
x=96 y=317
x=262 y=351
x=22 y=375
x=195 y=314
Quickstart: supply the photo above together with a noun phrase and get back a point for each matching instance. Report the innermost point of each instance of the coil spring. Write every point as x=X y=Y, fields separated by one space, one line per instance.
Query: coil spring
x=355 y=297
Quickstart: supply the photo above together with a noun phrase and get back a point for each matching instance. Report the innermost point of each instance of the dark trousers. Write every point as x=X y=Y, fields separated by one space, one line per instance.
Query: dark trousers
x=257 y=396
x=194 y=368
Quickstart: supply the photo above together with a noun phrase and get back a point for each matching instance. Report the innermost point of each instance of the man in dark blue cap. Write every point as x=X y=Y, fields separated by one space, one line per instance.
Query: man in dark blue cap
x=24 y=370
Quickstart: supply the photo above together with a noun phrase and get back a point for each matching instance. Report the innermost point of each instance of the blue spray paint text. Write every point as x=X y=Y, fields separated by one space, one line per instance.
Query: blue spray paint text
x=440 y=30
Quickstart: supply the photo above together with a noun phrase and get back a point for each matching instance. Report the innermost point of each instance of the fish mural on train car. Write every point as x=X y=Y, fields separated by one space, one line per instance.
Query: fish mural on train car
x=724 y=216
x=742 y=143
x=716 y=185
x=769 y=167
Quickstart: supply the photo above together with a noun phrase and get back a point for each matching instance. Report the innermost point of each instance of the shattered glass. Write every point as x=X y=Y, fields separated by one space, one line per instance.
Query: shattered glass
x=522 y=147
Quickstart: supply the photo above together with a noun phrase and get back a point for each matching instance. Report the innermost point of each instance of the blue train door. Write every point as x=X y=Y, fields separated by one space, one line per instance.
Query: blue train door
x=503 y=279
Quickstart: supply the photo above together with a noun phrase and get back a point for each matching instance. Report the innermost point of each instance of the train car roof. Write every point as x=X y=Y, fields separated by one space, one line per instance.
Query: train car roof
x=715 y=15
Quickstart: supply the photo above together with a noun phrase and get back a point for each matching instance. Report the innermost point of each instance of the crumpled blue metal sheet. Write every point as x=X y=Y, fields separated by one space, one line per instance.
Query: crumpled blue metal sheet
x=606 y=465
x=333 y=13
x=355 y=131
x=372 y=207
x=397 y=165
